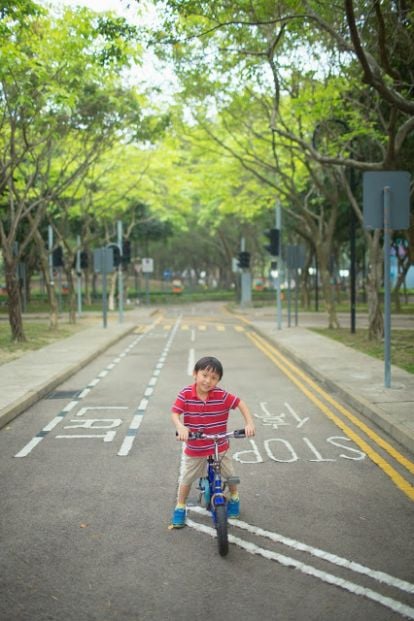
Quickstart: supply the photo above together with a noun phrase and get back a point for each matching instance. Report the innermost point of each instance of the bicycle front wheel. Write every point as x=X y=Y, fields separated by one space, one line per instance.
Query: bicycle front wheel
x=221 y=526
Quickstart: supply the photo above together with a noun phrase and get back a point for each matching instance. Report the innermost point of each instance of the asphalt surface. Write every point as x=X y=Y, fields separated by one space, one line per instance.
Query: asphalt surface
x=356 y=377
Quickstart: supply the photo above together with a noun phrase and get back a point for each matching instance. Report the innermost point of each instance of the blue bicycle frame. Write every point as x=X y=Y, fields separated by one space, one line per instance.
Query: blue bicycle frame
x=212 y=487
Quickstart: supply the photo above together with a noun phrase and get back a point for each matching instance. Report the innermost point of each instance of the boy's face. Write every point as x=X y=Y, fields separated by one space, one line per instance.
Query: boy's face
x=206 y=380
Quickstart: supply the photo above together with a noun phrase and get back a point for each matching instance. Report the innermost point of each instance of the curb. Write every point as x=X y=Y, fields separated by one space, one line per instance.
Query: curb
x=363 y=407
x=9 y=413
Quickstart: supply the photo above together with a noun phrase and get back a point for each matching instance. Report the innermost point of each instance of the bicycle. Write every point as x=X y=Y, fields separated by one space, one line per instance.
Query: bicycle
x=212 y=487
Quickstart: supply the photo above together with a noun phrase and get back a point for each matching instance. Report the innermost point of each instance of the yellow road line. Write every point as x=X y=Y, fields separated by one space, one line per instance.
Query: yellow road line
x=297 y=378
x=409 y=465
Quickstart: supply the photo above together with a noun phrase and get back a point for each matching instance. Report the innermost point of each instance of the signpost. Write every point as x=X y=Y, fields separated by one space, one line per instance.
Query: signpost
x=295 y=260
x=147 y=269
x=103 y=263
x=386 y=196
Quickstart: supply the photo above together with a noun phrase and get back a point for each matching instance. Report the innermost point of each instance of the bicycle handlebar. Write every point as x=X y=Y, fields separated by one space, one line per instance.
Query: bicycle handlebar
x=200 y=435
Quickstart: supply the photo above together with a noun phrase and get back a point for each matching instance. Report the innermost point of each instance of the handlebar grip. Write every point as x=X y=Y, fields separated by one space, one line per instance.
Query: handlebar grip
x=239 y=433
x=193 y=435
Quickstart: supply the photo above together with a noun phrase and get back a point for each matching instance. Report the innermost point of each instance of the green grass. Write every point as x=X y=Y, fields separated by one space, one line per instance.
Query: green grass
x=38 y=335
x=402 y=345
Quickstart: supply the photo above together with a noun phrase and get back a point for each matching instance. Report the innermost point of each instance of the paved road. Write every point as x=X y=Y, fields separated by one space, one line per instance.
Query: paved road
x=89 y=476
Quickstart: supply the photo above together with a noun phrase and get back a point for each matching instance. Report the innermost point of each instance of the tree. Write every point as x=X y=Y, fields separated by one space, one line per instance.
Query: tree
x=58 y=114
x=310 y=47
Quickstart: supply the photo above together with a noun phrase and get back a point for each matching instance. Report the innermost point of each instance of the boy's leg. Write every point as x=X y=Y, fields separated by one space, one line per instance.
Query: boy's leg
x=191 y=469
x=183 y=492
x=233 y=505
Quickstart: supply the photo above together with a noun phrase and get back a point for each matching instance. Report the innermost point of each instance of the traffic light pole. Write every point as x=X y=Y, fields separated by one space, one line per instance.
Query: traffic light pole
x=79 y=275
x=278 y=217
x=246 y=280
x=120 y=274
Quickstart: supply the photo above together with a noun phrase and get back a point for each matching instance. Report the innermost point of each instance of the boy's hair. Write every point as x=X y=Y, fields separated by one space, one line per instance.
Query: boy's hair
x=210 y=363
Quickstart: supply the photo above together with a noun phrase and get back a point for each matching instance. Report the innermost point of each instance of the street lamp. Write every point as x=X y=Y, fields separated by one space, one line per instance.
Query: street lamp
x=352 y=224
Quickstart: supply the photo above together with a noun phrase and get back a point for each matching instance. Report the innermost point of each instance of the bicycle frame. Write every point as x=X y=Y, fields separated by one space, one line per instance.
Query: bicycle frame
x=212 y=487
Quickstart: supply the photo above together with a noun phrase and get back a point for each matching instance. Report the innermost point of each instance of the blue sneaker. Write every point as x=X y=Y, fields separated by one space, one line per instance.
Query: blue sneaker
x=233 y=508
x=178 y=518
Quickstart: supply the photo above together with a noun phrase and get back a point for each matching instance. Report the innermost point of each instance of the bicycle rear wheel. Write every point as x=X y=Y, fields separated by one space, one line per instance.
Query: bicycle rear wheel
x=221 y=526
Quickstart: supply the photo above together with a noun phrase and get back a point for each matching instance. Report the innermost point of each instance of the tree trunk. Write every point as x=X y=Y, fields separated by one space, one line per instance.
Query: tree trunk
x=50 y=287
x=112 y=290
x=374 y=279
x=14 y=301
x=71 y=294
x=328 y=293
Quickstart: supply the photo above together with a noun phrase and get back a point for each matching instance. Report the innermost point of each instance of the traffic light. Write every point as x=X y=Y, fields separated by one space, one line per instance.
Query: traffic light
x=57 y=257
x=244 y=259
x=126 y=252
x=273 y=246
x=116 y=253
x=84 y=260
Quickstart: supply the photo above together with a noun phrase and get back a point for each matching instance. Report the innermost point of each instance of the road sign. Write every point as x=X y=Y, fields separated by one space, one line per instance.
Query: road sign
x=147 y=265
x=398 y=183
x=103 y=260
x=387 y=206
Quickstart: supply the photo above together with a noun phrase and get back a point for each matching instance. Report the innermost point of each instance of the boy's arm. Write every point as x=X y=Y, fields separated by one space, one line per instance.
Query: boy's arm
x=249 y=428
x=182 y=431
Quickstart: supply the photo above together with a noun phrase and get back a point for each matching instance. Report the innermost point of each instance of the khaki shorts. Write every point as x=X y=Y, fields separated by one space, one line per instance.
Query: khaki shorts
x=193 y=468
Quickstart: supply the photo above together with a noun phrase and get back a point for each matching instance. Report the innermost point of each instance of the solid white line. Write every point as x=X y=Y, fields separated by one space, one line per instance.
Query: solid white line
x=380 y=576
x=311 y=571
x=327 y=556
x=191 y=361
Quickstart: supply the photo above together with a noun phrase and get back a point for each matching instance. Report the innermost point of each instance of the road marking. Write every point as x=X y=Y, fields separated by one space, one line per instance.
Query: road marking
x=298 y=377
x=132 y=431
x=324 y=576
x=191 y=361
x=27 y=449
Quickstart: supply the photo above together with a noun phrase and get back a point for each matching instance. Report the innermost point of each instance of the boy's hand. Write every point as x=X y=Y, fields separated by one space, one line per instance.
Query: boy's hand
x=182 y=433
x=250 y=430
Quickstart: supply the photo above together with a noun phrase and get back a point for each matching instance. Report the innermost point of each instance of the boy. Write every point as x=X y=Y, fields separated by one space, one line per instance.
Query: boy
x=205 y=407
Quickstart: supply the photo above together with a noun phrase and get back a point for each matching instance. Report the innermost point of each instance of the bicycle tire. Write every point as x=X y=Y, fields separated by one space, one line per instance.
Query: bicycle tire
x=221 y=527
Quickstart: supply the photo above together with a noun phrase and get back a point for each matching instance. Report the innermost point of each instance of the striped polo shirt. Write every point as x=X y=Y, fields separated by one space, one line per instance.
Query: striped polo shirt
x=209 y=416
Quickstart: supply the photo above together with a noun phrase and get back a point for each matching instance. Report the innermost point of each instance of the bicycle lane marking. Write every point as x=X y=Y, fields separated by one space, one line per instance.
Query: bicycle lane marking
x=324 y=576
x=404 y=485
x=35 y=441
x=140 y=411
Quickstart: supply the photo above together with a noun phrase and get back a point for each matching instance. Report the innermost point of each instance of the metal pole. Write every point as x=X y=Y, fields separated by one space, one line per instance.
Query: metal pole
x=50 y=245
x=353 y=256
x=279 y=266
x=104 y=295
x=387 y=288
x=296 y=289
x=289 y=296
x=120 y=274
x=79 y=275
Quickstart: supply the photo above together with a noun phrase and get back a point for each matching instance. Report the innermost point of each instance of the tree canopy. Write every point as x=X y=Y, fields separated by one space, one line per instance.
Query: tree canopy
x=275 y=103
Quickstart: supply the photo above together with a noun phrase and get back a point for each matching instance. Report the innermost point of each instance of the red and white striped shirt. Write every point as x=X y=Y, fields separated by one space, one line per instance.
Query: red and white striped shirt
x=209 y=416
